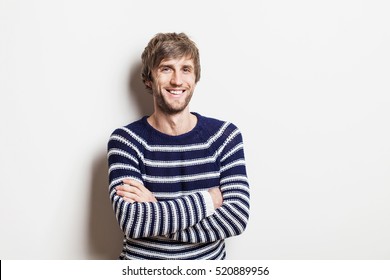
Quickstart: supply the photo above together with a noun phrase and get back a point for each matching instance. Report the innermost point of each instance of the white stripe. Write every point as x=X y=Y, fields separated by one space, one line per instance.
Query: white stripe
x=235 y=186
x=122 y=166
x=121 y=153
x=179 y=163
x=182 y=209
x=238 y=147
x=174 y=222
x=201 y=233
x=233 y=164
x=112 y=194
x=130 y=216
x=148 y=220
x=192 y=233
x=164 y=217
x=169 y=255
x=173 y=195
x=127 y=143
x=184 y=236
x=149 y=243
x=123 y=206
x=192 y=217
x=216 y=251
x=233 y=220
x=186 y=178
x=236 y=211
x=234 y=198
x=177 y=148
x=230 y=138
x=137 y=227
x=116 y=198
x=217 y=226
x=157 y=220
x=120 y=179
x=234 y=178
x=226 y=221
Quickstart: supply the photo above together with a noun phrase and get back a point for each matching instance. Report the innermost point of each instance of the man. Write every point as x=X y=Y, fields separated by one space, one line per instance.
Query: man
x=178 y=180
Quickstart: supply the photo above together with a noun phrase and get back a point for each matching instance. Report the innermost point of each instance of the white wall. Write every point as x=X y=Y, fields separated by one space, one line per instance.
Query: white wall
x=306 y=81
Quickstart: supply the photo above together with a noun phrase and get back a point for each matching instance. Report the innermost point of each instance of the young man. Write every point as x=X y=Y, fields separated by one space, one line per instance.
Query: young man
x=178 y=180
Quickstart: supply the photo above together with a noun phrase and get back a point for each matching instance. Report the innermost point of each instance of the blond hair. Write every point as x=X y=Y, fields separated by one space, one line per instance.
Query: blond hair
x=166 y=46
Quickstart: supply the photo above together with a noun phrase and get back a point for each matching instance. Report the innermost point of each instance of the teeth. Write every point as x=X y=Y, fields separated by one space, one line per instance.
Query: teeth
x=176 y=91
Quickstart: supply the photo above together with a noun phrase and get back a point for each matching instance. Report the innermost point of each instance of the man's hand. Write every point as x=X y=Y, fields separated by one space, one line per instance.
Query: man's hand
x=133 y=191
x=216 y=196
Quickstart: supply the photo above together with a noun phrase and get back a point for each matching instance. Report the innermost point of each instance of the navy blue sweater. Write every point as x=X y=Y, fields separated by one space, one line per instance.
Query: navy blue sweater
x=179 y=170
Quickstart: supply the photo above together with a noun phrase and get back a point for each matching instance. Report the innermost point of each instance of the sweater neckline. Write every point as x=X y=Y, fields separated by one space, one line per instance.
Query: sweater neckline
x=161 y=134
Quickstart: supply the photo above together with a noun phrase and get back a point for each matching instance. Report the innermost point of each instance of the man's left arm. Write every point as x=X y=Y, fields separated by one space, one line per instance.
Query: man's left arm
x=232 y=217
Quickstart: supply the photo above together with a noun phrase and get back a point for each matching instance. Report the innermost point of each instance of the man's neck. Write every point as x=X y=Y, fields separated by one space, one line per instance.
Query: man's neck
x=174 y=125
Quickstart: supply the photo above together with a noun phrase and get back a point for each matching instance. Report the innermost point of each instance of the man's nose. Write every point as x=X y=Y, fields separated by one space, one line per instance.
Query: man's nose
x=176 y=79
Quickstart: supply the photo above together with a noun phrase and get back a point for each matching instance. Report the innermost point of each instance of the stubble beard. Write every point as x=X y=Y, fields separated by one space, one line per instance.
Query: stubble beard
x=172 y=109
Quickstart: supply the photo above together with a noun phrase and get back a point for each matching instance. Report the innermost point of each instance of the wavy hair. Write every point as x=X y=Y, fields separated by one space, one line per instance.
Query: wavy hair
x=167 y=46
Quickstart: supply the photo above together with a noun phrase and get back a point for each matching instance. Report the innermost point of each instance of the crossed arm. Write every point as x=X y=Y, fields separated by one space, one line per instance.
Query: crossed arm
x=133 y=191
x=227 y=220
x=186 y=218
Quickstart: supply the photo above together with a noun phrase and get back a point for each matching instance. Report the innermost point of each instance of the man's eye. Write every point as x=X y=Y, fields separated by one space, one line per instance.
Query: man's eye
x=187 y=70
x=165 y=69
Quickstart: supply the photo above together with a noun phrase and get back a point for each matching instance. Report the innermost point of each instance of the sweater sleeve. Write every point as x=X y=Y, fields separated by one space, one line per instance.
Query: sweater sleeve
x=232 y=217
x=146 y=219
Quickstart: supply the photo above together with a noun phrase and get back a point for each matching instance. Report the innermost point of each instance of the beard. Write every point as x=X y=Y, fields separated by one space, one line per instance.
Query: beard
x=172 y=108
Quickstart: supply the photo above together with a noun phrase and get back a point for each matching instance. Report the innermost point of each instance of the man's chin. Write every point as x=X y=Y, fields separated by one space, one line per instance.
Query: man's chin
x=174 y=111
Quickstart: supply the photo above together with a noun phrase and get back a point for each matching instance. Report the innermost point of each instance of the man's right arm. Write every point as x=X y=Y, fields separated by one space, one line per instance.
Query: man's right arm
x=145 y=219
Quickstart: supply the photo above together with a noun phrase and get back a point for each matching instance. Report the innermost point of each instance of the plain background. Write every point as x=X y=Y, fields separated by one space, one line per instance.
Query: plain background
x=307 y=82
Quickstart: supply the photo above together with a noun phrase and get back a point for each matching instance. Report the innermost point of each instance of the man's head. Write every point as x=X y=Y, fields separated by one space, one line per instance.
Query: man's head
x=168 y=46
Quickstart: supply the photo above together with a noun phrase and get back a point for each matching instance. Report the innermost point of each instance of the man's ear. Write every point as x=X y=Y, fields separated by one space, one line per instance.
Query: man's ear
x=148 y=84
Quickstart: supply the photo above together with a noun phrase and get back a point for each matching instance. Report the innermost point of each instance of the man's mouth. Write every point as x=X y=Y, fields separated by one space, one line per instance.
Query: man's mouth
x=175 y=91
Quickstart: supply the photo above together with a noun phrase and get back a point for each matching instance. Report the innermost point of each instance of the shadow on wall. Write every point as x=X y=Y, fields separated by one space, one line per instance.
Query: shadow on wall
x=138 y=92
x=105 y=237
x=104 y=233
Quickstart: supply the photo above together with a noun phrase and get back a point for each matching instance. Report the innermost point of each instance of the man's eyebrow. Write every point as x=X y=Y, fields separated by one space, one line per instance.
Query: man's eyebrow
x=170 y=65
x=165 y=65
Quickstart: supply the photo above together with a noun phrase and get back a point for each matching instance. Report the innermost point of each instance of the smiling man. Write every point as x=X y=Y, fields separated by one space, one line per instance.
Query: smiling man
x=178 y=182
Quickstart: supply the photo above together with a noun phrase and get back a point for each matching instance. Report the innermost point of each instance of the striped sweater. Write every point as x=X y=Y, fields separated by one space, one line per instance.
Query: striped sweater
x=179 y=170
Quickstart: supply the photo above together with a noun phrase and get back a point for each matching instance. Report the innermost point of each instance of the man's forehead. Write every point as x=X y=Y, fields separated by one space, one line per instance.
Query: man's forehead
x=185 y=60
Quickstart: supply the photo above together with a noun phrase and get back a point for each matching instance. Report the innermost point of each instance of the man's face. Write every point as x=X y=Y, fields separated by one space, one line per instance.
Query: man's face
x=173 y=84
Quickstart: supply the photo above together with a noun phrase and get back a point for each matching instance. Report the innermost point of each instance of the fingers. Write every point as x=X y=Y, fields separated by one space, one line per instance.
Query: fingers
x=133 y=191
x=136 y=186
x=130 y=186
x=134 y=183
x=129 y=189
x=128 y=193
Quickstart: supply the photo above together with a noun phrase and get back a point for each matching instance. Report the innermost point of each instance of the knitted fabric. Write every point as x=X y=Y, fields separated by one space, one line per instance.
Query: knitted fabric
x=179 y=170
